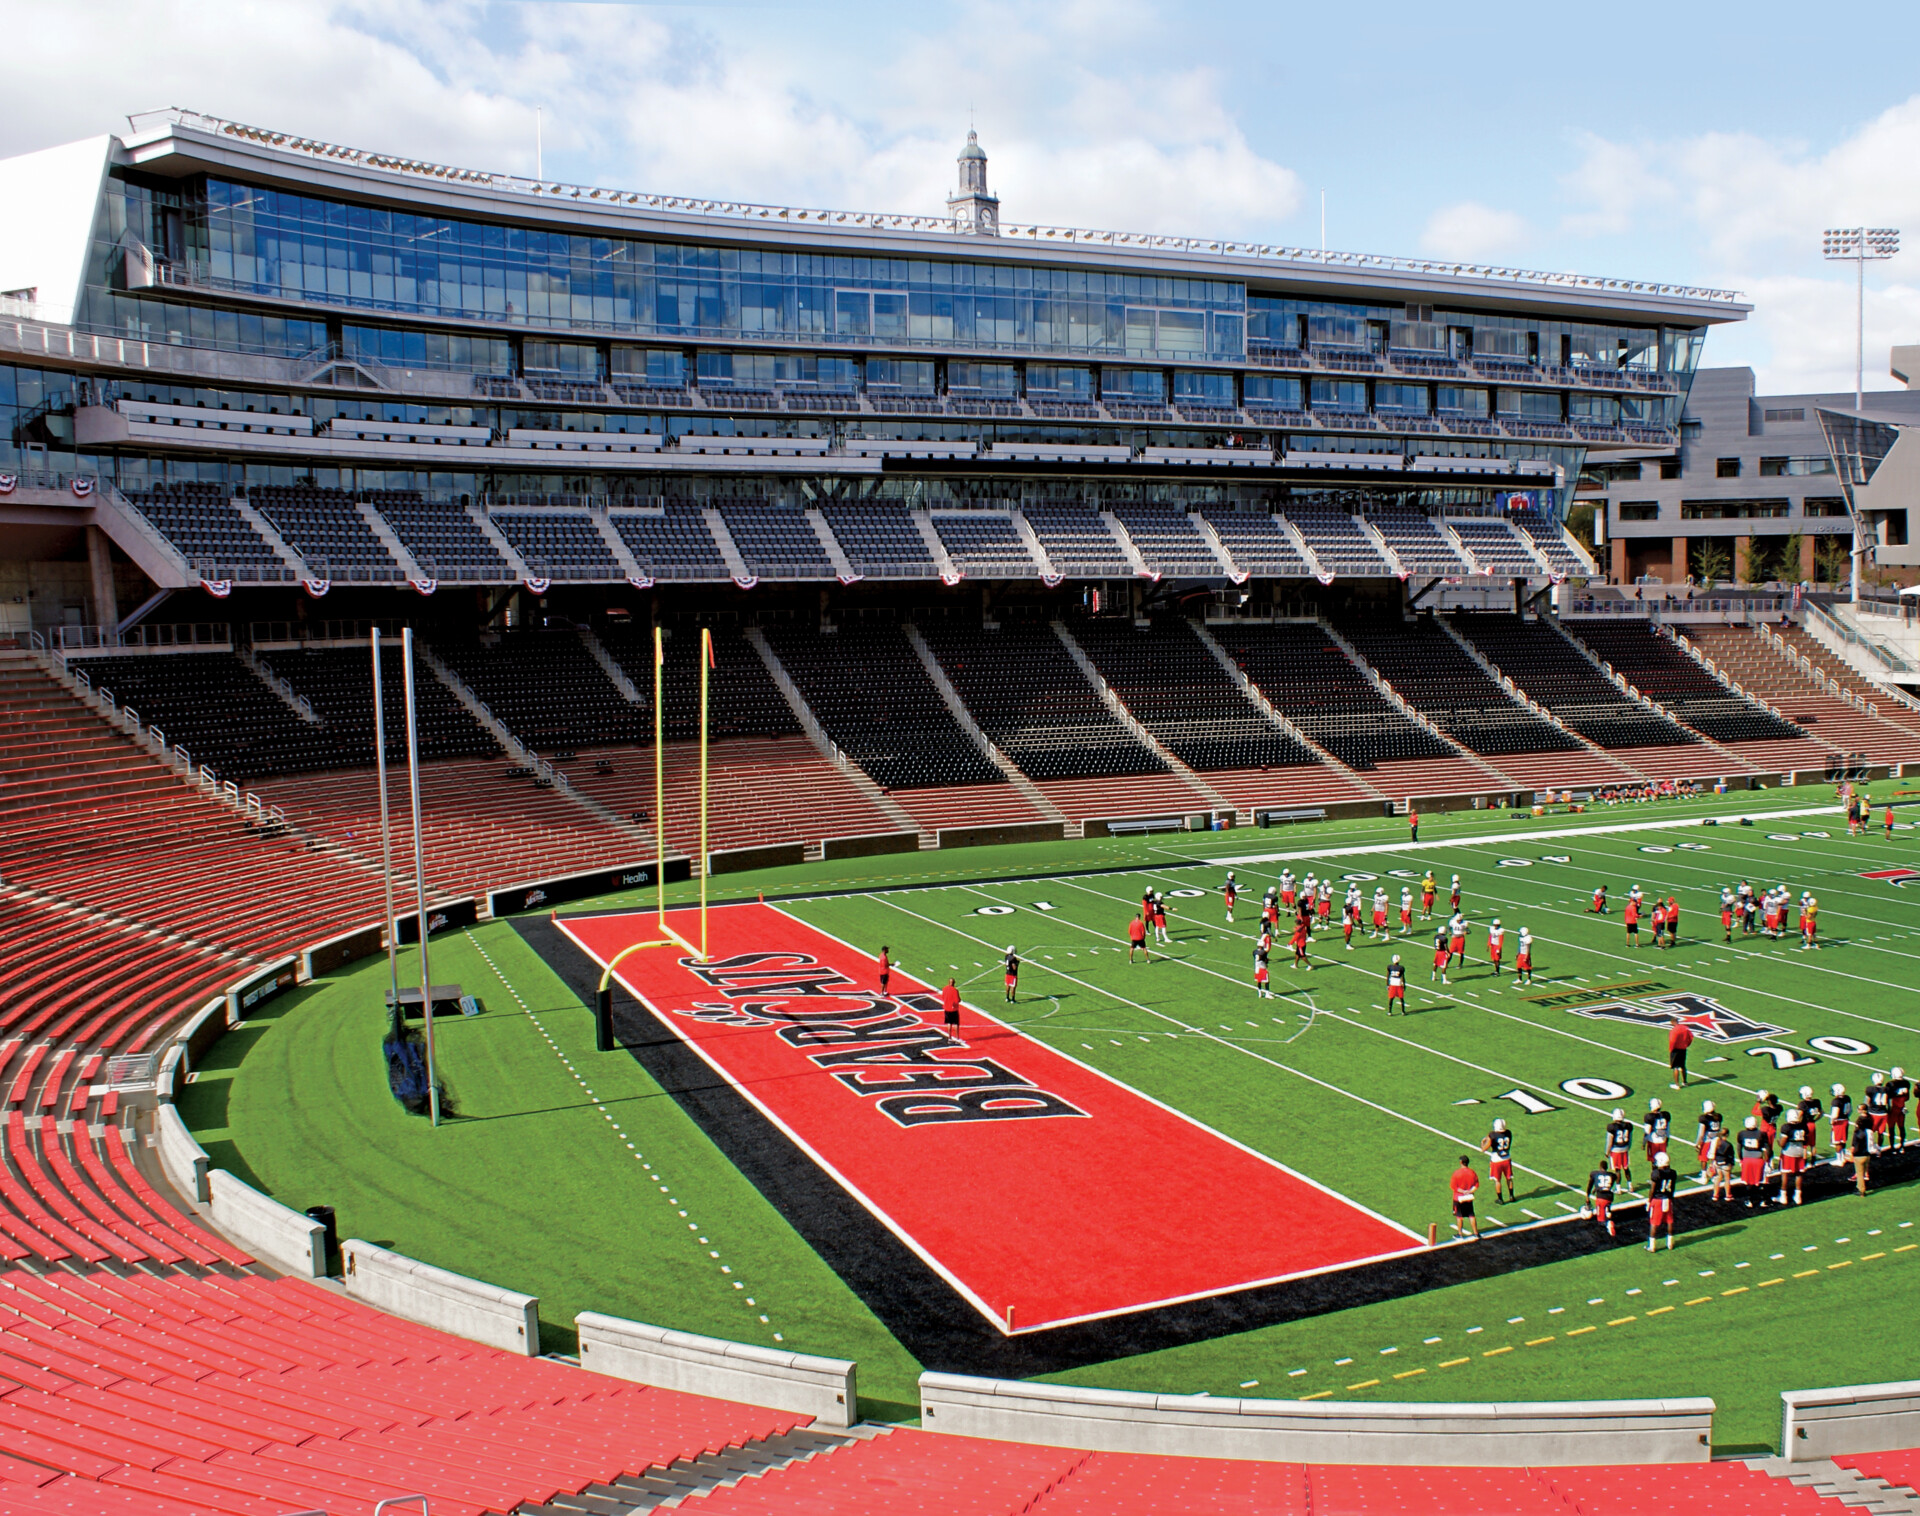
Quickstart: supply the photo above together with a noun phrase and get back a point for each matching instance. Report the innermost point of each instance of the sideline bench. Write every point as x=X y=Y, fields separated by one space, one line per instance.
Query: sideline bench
x=1130 y=824
x=1282 y=818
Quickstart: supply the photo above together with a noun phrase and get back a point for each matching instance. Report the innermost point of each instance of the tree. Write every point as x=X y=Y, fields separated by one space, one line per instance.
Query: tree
x=1711 y=561
x=1580 y=522
x=1830 y=558
x=1792 y=549
x=1755 y=563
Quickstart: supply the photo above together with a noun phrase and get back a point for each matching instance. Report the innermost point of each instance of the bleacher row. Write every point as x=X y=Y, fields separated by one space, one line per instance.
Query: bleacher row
x=149 y=1366
x=334 y=536
x=1103 y=719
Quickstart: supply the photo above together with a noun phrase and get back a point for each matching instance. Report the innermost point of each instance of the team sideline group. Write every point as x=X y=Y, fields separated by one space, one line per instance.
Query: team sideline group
x=1761 y=1161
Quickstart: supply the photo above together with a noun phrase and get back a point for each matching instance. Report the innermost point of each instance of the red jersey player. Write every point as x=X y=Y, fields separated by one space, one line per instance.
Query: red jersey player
x=1523 y=958
x=1496 y=945
x=1396 y=986
x=1660 y=1192
x=1498 y=1145
x=1753 y=1147
x=1300 y=944
x=1619 y=1147
x=1230 y=892
x=1441 y=958
x=1631 y=915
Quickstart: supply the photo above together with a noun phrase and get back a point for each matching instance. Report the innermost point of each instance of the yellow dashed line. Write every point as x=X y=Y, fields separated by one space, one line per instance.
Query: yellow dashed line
x=1365 y=1384
x=1806 y=1274
x=1844 y=1263
x=1908 y=1248
x=1535 y=1342
x=1871 y=1256
x=1322 y=1395
x=1660 y=1310
x=1496 y=1352
x=1582 y=1331
x=1620 y=1321
x=1453 y=1363
x=1738 y=1289
x=1409 y=1373
x=1765 y=1282
x=1703 y=1300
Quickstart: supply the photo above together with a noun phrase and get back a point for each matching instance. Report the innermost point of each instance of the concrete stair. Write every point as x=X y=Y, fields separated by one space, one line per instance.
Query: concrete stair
x=666 y=1488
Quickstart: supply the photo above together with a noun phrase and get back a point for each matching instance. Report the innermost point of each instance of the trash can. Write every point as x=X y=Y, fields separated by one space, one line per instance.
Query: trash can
x=324 y=1214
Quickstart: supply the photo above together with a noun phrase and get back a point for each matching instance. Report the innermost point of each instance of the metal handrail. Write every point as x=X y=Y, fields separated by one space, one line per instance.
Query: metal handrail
x=1888 y=661
x=1153 y=242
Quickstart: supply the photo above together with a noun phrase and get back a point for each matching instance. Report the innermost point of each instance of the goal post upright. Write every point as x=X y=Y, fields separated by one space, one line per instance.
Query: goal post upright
x=706 y=669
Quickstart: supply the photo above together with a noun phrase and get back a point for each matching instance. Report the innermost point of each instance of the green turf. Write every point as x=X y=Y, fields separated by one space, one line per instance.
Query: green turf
x=531 y=1188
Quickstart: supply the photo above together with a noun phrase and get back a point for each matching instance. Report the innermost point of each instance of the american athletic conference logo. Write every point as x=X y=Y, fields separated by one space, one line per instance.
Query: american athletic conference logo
x=534 y=897
x=1704 y=1016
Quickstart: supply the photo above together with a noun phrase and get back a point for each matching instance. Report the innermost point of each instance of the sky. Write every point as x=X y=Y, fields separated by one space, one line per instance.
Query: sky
x=1703 y=144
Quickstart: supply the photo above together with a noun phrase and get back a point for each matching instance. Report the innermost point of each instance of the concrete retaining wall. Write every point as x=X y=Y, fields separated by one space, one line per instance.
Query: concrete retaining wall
x=182 y=1160
x=337 y=952
x=1849 y=1418
x=736 y=860
x=991 y=836
x=822 y=1388
x=440 y=1298
x=207 y=1027
x=266 y=1228
x=866 y=846
x=1197 y=1426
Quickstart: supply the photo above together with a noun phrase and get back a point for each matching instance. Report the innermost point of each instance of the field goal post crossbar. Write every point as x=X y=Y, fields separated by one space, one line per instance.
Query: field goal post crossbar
x=603 y=1000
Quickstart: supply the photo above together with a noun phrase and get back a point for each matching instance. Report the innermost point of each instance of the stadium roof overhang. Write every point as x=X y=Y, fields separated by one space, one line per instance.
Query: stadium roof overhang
x=182 y=144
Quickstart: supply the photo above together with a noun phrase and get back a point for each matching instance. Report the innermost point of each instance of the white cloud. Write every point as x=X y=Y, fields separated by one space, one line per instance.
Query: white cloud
x=1757 y=208
x=727 y=104
x=1473 y=232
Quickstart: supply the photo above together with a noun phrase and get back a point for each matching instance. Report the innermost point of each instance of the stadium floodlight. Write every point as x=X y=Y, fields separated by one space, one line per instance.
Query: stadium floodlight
x=1855 y=245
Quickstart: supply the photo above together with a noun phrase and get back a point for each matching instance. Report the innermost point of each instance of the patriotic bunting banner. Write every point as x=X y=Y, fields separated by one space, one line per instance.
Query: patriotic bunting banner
x=644 y=582
x=82 y=488
x=538 y=586
x=425 y=586
x=218 y=588
x=316 y=587
x=9 y=483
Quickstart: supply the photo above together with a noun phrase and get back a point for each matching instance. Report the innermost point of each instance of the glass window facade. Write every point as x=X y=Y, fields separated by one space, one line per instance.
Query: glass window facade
x=1400 y=397
x=1054 y=382
x=1275 y=389
x=273 y=243
x=394 y=348
x=967 y=377
x=1208 y=389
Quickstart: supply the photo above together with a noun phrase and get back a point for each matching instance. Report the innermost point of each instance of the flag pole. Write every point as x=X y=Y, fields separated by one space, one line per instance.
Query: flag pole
x=386 y=828
x=419 y=871
x=659 y=778
x=706 y=666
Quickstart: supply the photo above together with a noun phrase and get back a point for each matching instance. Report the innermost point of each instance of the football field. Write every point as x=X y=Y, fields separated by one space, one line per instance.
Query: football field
x=1379 y=1108
x=1198 y=1189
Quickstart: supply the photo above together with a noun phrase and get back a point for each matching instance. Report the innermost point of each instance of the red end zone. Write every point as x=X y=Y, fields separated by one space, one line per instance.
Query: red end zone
x=1031 y=1183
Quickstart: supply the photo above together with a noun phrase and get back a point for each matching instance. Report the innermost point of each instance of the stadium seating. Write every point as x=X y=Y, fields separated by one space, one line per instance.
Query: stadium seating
x=1343 y=549
x=1439 y=680
x=672 y=543
x=1848 y=677
x=873 y=697
x=441 y=536
x=1169 y=542
x=1258 y=544
x=211 y=534
x=547 y=689
x=1663 y=671
x=338 y=683
x=559 y=544
x=1755 y=663
x=1027 y=694
x=326 y=529
x=986 y=545
x=1176 y=689
x=1310 y=680
x=1495 y=547
x=742 y=699
x=223 y=713
x=1420 y=545
x=1077 y=541
x=1548 y=669
x=775 y=541
x=1549 y=539
x=881 y=541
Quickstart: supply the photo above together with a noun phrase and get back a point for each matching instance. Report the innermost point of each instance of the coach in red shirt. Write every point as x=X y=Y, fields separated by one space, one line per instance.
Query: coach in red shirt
x=1679 y=1039
x=1464 y=1182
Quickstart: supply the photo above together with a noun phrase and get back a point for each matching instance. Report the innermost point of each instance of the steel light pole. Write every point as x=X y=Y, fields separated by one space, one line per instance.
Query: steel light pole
x=1855 y=245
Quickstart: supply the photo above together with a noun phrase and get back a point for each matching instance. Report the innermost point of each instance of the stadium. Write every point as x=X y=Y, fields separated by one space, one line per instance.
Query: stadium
x=638 y=834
